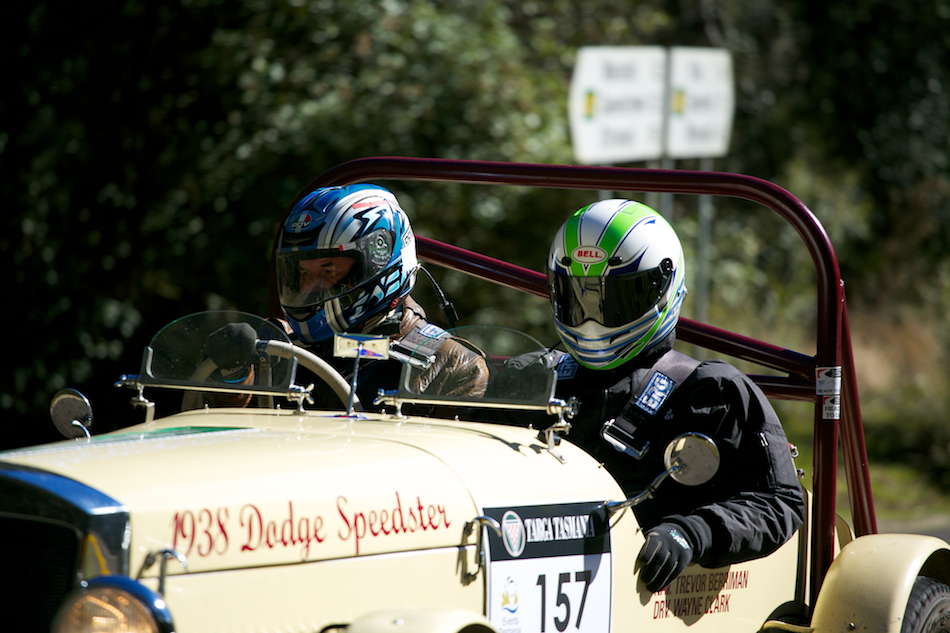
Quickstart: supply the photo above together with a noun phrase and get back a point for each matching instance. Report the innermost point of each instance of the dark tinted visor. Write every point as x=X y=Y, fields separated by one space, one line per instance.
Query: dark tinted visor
x=612 y=301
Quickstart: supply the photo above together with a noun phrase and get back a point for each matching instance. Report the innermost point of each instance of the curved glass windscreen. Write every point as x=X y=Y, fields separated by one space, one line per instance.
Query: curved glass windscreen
x=521 y=371
x=220 y=351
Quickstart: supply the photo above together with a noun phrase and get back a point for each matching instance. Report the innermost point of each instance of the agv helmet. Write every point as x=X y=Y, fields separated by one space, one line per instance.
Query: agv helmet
x=346 y=259
x=616 y=280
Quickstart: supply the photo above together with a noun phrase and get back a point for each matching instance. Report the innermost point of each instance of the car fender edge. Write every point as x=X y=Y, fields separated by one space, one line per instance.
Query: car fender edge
x=869 y=582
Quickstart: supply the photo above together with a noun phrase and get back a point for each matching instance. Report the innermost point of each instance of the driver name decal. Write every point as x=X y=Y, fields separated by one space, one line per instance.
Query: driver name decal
x=699 y=594
x=253 y=528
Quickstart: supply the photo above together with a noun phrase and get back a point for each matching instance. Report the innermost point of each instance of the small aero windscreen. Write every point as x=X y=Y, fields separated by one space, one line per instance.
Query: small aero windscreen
x=220 y=351
x=520 y=373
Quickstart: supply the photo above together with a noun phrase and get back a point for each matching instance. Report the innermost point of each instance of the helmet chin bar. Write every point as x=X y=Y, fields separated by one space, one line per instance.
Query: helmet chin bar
x=592 y=337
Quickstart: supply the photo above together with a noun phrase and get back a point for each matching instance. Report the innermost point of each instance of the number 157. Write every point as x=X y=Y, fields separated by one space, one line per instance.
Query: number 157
x=562 y=599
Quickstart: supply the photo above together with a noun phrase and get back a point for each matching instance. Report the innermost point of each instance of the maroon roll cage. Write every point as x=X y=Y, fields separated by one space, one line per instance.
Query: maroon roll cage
x=833 y=341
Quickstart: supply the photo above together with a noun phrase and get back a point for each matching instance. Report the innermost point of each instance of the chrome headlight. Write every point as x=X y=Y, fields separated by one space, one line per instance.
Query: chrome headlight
x=113 y=604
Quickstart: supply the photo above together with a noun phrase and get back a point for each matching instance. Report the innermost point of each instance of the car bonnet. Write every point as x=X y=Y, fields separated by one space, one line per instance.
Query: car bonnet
x=241 y=489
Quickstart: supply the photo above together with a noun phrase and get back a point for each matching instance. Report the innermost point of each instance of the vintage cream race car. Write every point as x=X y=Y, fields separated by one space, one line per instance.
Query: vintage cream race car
x=284 y=518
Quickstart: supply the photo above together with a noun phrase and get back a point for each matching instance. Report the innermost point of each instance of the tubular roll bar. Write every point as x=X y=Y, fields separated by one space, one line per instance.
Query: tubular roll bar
x=833 y=341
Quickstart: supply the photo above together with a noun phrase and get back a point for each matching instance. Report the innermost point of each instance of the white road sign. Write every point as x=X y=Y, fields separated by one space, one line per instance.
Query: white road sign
x=616 y=103
x=701 y=103
x=630 y=103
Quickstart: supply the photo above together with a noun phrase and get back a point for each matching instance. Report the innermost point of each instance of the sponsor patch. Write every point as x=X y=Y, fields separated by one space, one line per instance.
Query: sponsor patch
x=828 y=381
x=656 y=392
x=681 y=541
x=566 y=367
x=432 y=331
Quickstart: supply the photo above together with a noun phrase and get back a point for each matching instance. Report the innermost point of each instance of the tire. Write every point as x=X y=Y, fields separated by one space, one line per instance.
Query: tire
x=928 y=607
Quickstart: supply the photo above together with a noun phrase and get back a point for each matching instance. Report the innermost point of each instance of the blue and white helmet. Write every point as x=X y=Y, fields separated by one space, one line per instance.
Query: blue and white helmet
x=616 y=279
x=359 y=231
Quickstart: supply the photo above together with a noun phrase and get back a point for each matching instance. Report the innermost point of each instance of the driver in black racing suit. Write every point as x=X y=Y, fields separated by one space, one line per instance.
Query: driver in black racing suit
x=616 y=283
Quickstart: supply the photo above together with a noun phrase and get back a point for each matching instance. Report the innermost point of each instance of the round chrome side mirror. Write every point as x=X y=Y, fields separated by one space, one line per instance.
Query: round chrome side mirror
x=71 y=413
x=692 y=459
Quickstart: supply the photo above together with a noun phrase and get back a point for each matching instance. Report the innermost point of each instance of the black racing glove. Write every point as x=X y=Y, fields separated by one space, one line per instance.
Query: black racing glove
x=232 y=349
x=664 y=556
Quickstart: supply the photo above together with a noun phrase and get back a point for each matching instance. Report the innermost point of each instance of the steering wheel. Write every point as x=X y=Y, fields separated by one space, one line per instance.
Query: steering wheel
x=323 y=370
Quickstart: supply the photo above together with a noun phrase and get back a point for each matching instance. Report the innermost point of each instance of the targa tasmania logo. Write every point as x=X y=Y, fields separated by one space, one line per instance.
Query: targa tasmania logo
x=513 y=533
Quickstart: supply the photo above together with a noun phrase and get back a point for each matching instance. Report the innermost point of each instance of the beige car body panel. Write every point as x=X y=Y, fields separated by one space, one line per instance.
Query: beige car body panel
x=254 y=505
x=300 y=521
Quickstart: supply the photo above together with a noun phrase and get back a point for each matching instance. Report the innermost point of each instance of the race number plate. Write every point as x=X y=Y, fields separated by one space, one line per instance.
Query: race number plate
x=550 y=571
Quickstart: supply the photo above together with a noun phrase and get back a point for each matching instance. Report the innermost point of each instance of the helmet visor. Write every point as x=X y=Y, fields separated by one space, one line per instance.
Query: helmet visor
x=612 y=301
x=307 y=279
x=310 y=277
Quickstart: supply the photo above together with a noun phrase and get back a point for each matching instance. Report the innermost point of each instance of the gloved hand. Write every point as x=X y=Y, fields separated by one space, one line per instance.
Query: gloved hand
x=664 y=556
x=232 y=350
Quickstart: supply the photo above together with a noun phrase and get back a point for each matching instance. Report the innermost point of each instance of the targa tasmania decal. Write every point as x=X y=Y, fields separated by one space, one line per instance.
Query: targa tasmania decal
x=512 y=533
x=550 y=569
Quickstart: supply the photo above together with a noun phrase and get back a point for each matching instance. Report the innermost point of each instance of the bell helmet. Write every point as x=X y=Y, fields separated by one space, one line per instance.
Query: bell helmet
x=346 y=258
x=616 y=280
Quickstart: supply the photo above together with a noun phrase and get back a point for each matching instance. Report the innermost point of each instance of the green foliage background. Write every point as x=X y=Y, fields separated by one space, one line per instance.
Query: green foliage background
x=147 y=151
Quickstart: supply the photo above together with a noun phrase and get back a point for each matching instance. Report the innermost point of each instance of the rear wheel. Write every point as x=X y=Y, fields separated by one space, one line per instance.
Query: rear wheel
x=928 y=607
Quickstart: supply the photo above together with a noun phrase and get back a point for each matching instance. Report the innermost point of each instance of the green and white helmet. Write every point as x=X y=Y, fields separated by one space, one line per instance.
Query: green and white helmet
x=616 y=279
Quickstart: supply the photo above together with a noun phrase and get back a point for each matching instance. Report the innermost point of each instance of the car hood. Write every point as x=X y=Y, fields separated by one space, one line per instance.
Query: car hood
x=238 y=488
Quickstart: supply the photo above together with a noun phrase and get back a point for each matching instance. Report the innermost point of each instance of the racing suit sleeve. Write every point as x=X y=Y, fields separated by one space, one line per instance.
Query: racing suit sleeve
x=458 y=368
x=755 y=502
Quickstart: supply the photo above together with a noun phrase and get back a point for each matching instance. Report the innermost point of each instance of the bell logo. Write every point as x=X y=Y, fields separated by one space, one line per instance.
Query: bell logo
x=588 y=254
